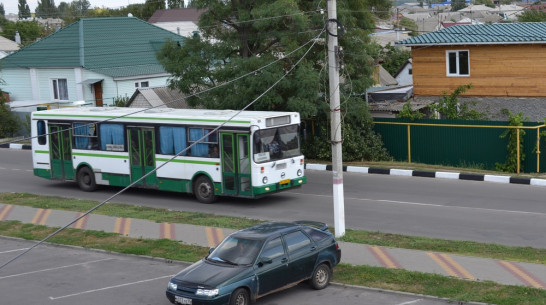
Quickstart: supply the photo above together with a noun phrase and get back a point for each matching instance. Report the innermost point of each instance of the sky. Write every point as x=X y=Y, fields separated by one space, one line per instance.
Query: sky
x=12 y=6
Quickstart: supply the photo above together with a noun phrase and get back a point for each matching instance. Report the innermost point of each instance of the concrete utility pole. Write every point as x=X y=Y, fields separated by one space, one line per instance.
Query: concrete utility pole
x=335 y=119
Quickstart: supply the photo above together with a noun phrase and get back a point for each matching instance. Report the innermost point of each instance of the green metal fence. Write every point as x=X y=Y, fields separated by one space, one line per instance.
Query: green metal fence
x=476 y=144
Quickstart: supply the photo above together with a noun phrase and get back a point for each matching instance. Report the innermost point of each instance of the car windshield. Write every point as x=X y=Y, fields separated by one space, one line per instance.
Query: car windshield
x=276 y=143
x=236 y=251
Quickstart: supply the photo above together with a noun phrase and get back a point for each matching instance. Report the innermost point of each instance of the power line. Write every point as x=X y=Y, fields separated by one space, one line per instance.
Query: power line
x=168 y=161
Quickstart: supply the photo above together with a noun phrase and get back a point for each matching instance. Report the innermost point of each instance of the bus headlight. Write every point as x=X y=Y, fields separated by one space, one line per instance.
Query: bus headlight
x=264 y=180
x=300 y=172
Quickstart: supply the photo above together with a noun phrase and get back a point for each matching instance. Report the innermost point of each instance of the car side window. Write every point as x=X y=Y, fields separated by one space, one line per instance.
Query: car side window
x=316 y=235
x=296 y=240
x=273 y=249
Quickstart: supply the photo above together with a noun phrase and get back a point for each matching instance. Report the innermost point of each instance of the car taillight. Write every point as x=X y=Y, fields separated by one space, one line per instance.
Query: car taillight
x=337 y=246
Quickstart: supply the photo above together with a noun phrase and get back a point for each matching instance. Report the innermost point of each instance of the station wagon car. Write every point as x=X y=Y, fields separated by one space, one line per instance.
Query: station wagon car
x=258 y=261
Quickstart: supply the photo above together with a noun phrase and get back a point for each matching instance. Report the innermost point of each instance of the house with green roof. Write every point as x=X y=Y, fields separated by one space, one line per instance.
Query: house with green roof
x=94 y=60
x=499 y=60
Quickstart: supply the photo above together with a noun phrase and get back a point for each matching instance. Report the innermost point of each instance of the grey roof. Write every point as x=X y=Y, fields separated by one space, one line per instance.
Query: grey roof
x=178 y=14
x=160 y=97
x=499 y=33
x=8 y=45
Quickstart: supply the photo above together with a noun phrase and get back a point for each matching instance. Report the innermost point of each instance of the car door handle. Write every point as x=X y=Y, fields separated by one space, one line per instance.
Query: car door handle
x=284 y=260
x=313 y=249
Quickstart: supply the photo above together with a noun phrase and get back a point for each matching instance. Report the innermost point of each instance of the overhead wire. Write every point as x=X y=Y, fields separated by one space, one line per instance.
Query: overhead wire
x=167 y=162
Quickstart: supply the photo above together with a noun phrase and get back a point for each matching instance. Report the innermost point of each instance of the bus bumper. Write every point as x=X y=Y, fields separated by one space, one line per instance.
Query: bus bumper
x=276 y=187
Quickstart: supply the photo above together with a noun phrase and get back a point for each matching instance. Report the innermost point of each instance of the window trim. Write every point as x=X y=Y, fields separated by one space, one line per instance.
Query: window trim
x=55 y=91
x=457 y=64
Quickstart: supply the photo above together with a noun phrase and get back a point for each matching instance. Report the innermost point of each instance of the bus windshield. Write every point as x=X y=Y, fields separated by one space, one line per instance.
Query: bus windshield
x=276 y=143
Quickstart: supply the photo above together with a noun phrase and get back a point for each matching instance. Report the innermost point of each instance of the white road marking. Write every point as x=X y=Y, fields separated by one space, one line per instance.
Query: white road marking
x=109 y=287
x=56 y=268
x=15 y=250
x=429 y=205
x=411 y=302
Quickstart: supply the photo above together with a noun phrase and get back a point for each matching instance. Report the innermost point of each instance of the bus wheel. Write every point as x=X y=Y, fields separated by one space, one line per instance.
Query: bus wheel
x=86 y=179
x=204 y=190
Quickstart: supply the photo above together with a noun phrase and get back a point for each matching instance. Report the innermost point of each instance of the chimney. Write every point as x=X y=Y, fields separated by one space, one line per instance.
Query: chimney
x=17 y=37
x=178 y=30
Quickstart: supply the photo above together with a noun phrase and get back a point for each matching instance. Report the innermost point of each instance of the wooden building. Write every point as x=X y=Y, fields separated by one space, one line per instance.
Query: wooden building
x=499 y=60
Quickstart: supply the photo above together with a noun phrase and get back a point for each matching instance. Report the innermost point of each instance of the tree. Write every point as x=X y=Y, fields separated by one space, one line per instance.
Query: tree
x=150 y=6
x=2 y=10
x=394 y=58
x=175 y=4
x=247 y=37
x=28 y=30
x=532 y=16
x=409 y=25
x=457 y=5
x=46 y=9
x=9 y=123
x=450 y=108
x=24 y=10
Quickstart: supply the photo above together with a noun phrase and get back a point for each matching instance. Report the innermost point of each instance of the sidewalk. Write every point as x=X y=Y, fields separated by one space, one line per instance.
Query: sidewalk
x=464 y=267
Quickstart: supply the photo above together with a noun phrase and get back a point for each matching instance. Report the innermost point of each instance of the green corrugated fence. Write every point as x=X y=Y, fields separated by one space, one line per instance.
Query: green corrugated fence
x=475 y=144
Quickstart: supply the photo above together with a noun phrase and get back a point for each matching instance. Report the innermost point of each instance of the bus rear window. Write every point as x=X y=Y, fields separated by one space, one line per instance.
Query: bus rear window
x=42 y=139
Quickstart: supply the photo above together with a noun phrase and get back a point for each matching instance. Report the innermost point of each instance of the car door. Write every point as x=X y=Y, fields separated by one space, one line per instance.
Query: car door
x=273 y=273
x=302 y=254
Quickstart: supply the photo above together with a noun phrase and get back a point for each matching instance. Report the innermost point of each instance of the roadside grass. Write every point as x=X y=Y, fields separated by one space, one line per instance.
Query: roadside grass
x=469 y=248
x=375 y=277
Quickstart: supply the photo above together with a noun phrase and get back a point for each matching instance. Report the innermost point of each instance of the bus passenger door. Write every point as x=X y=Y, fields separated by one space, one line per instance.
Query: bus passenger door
x=142 y=154
x=61 y=151
x=235 y=164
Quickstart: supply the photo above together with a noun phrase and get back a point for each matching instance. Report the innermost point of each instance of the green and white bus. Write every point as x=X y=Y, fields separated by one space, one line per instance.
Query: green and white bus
x=254 y=154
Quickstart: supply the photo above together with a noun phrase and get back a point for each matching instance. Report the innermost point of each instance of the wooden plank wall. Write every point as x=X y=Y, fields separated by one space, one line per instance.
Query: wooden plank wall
x=495 y=70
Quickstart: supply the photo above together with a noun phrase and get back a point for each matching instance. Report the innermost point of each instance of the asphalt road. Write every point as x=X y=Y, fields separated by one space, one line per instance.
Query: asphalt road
x=59 y=275
x=509 y=214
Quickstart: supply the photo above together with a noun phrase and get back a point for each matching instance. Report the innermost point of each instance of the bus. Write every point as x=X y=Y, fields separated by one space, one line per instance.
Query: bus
x=252 y=155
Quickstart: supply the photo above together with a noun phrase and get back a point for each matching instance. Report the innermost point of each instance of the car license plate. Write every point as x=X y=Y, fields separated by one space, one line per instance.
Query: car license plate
x=181 y=300
x=285 y=181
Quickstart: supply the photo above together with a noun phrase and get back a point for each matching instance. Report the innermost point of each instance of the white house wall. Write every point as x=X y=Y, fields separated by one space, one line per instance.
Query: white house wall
x=127 y=87
x=17 y=83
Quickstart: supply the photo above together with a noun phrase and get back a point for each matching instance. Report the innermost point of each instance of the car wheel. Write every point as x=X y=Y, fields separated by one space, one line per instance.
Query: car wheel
x=321 y=277
x=204 y=190
x=239 y=297
x=86 y=179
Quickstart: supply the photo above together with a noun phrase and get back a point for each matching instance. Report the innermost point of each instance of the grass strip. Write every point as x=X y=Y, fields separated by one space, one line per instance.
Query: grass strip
x=375 y=277
x=495 y=251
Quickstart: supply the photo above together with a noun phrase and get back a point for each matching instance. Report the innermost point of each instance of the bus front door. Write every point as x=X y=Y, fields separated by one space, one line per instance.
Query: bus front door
x=61 y=152
x=235 y=164
x=142 y=154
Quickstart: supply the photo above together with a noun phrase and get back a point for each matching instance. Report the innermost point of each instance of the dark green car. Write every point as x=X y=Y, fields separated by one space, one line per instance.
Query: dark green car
x=257 y=261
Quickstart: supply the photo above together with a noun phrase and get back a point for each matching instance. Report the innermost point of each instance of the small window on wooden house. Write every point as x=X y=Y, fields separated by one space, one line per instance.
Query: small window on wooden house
x=458 y=63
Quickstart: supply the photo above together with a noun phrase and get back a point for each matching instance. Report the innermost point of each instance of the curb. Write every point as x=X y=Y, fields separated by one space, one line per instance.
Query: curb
x=394 y=172
x=427 y=174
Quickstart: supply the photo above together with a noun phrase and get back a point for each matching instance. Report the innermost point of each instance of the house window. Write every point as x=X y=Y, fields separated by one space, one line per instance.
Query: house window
x=145 y=84
x=60 y=89
x=457 y=63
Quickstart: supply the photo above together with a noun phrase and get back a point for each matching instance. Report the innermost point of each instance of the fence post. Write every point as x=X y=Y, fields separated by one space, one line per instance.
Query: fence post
x=517 y=149
x=538 y=149
x=409 y=143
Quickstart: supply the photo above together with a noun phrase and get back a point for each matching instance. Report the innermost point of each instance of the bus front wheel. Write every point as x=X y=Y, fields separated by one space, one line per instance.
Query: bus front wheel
x=86 y=179
x=204 y=190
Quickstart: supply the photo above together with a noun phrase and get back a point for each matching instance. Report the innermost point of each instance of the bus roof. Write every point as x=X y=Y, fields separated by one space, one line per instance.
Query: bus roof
x=165 y=115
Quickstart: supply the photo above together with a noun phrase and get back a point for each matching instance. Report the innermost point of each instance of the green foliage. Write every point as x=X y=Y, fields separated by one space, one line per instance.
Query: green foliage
x=150 y=7
x=409 y=25
x=46 y=9
x=532 y=15
x=175 y=4
x=258 y=36
x=457 y=5
x=28 y=30
x=408 y=113
x=360 y=142
x=121 y=101
x=511 y=164
x=2 y=10
x=393 y=58
x=487 y=3
x=9 y=123
x=450 y=108
x=24 y=10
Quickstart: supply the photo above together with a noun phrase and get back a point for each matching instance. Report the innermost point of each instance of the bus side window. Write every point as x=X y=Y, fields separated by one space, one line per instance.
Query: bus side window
x=42 y=139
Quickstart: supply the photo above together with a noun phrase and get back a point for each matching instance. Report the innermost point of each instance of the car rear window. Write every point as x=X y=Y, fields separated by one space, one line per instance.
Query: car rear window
x=316 y=235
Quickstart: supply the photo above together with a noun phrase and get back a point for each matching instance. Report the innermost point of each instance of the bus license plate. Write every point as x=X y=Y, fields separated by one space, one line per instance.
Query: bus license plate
x=181 y=300
x=285 y=181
